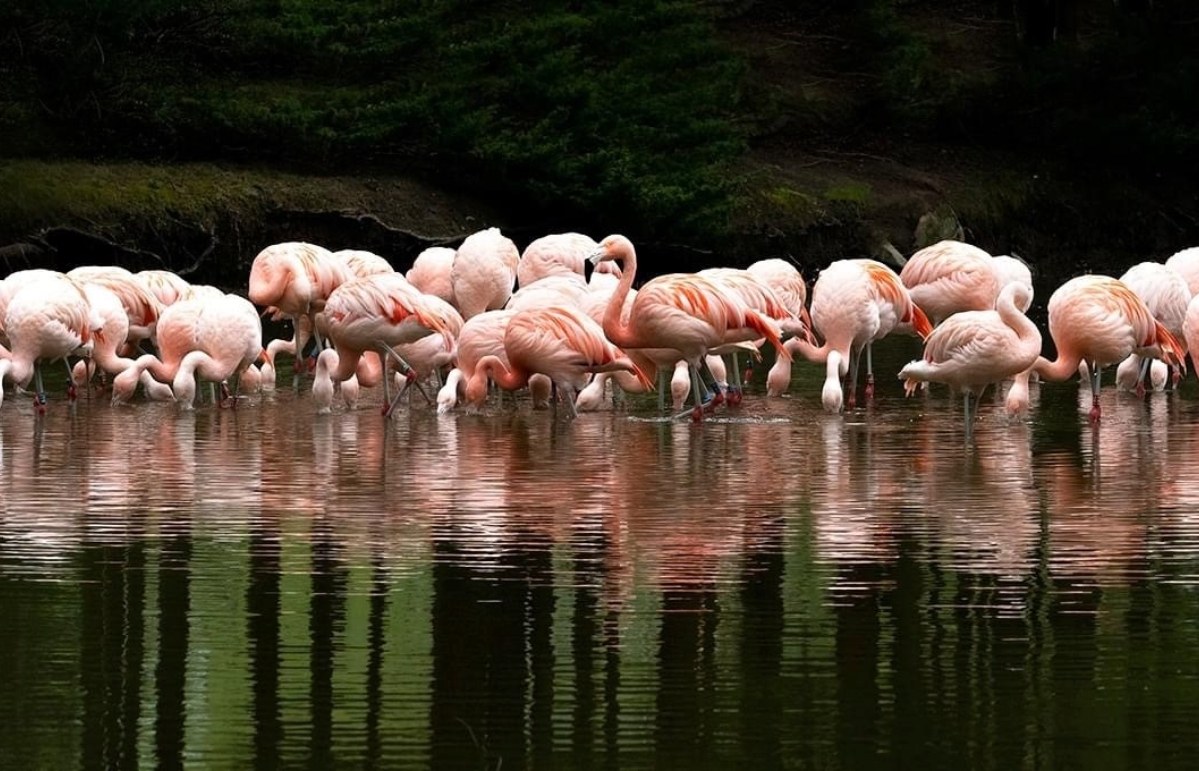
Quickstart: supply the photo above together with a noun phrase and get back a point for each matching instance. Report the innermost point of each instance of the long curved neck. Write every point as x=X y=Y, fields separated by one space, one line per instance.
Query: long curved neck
x=1015 y=318
x=617 y=329
x=1062 y=368
x=813 y=353
x=507 y=378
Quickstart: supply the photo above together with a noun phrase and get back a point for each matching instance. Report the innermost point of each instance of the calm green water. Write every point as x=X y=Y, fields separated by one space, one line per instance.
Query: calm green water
x=269 y=588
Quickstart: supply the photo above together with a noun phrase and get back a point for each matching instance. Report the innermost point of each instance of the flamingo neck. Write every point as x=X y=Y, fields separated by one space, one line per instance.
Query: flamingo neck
x=1062 y=368
x=1015 y=318
x=507 y=378
x=617 y=329
x=813 y=353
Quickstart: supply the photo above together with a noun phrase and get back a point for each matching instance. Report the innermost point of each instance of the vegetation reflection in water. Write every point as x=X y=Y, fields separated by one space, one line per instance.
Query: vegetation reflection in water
x=263 y=587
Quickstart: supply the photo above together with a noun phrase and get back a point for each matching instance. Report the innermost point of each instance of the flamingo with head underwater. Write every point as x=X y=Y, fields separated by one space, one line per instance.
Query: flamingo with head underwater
x=1099 y=320
x=558 y=341
x=854 y=303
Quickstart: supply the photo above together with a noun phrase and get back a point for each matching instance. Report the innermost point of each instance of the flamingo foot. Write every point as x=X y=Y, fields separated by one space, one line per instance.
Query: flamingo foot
x=72 y=393
x=747 y=375
x=39 y=403
x=697 y=414
x=1140 y=390
x=226 y=399
x=734 y=397
x=1094 y=413
x=870 y=388
x=851 y=400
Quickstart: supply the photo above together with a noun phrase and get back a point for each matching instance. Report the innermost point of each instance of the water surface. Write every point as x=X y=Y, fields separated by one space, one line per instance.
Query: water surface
x=779 y=588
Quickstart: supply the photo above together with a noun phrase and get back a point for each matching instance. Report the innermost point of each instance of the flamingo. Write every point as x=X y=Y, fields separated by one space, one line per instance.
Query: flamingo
x=48 y=317
x=484 y=272
x=557 y=254
x=972 y=349
x=13 y=283
x=431 y=270
x=788 y=283
x=372 y=314
x=114 y=322
x=1166 y=295
x=215 y=338
x=683 y=312
x=481 y=336
x=1099 y=320
x=759 y=296
x=295 y=279
x=854 y=303
x=228 y=340
x=949 y=277
x=559 y=342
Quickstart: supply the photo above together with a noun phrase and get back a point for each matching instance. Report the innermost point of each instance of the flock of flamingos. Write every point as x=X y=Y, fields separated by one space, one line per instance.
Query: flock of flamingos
x=457 y=319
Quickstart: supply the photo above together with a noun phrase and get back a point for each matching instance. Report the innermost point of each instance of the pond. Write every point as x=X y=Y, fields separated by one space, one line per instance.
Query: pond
x=776 y=588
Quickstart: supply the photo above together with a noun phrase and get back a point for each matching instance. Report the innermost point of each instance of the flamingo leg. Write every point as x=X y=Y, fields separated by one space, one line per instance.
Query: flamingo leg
x=735 y=390
x=391 y=405
x=1142 y=374
x=663 y=384
x=851 y=398
x=969 y=417
x=408 y=370
x=570 y=395
x=869 y=371
x=1095 y=411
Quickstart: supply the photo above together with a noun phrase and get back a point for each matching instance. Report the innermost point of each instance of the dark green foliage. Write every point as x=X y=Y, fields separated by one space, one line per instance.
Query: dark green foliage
x=622 y=108
x=1100 y=85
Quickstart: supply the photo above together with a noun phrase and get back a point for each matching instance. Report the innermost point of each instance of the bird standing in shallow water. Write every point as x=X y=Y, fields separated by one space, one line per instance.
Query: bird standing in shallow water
x=972 y=349
x=1099 y=320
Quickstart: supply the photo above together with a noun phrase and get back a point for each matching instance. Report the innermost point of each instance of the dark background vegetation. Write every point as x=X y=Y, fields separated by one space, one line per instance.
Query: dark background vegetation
x=715 y=131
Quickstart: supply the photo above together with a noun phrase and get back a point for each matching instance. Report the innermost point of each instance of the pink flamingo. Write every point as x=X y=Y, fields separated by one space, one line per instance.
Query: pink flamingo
x=759 y=296
x=215 y=338
x=295 y=279
x=114 y=320
x=1099 y=320
x=228 y=340
x=48 y=317
x=683 y=312
x=559 y=342
x=1166 y=295
x=484 y=272
x=554 y=255
x=373 y=314
x=13 y=283
x=854 y=303
x=482 y=335
x=788 y=283
x=951 y=276
x=972 y=349
x=431 y=270
x=428 y=355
